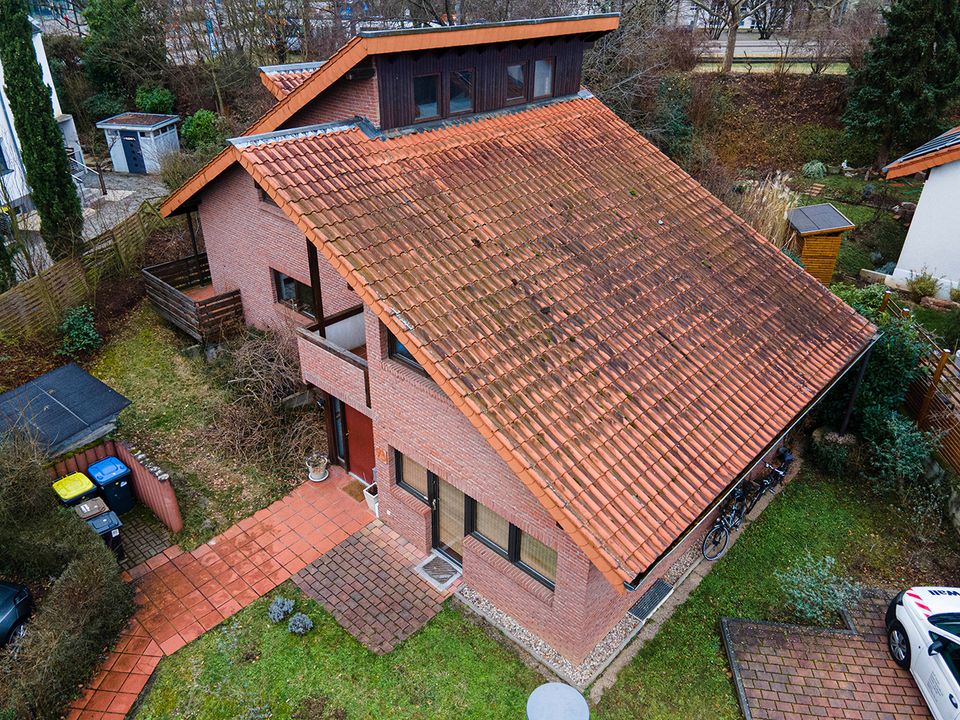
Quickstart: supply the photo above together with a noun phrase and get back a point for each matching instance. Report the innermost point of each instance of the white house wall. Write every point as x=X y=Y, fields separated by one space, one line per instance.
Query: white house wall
x=933 y=241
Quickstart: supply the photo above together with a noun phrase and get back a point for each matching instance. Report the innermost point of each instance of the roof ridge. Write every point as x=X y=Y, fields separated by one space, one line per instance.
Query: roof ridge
x=291 y=67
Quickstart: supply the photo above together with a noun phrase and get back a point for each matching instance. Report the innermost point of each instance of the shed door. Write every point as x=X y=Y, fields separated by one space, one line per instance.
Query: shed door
x=132 y=151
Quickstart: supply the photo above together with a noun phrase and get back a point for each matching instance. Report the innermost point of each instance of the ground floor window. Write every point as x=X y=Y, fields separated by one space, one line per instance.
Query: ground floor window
x=523 y=550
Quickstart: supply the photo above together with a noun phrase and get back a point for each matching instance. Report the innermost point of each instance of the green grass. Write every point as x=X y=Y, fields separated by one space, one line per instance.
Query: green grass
x=682 y=673
x=174 y=401
x=450 y=669
x=851 y=188
x=945 y=324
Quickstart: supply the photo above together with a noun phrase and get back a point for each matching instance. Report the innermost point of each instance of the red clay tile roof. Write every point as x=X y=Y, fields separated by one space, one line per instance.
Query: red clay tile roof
x=360 y=47
x=281 y=83
x=625 y=342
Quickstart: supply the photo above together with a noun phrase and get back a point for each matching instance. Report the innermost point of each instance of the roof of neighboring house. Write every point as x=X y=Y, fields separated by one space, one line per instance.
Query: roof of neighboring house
x=624 y=341
x=281 y=80
x=939 y=151
x=366 y=44
x=816 y=219
x=137 y=121
x=64 y=409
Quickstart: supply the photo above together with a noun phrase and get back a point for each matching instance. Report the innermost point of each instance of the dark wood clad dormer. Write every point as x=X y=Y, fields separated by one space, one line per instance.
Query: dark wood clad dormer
x=485 y=66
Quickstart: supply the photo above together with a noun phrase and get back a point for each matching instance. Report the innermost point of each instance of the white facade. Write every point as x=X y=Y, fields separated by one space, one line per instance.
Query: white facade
x=13 y=174
x=933 y=241
x=138 y=141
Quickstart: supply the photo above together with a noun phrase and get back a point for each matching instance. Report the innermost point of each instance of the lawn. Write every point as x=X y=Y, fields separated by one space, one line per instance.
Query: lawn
x=174 y=400
x=249 y=668
x=682 y=672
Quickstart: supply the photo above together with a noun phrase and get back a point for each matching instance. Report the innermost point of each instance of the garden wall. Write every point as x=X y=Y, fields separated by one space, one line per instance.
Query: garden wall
x=151 y=488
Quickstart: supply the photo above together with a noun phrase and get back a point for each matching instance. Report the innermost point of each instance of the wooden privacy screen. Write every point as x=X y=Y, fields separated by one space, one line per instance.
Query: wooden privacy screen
x=154 y=491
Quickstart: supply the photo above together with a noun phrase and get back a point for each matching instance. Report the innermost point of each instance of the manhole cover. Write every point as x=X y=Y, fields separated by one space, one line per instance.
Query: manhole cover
x=438 y=571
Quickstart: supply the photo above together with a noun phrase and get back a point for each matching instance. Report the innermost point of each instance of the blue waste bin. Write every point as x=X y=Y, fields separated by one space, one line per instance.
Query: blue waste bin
x=113 y=479
x=107 y=526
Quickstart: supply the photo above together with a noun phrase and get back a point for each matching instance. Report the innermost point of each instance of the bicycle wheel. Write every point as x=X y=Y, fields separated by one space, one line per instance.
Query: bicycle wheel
x=715 y=542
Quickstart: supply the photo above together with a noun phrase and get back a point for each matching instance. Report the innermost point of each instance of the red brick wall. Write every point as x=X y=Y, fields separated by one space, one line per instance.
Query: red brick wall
x=245 y=238
x=344 y=99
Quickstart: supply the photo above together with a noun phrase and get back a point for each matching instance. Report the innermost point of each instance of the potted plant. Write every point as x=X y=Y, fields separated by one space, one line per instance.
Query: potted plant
x=373 y=501
x=318 y=465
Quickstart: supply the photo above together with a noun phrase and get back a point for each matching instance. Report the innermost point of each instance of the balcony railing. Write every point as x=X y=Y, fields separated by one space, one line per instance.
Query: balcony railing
x=333 y=356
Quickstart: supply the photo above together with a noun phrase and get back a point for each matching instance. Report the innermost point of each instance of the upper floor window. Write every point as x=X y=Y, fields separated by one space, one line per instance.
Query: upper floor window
x=543 y=78
x=3 y=163
x=397 y=351
x=521 y=87
x=426 y=96
x=293 y=293
x=517 y=82
x=264 y=197
x=461 y=92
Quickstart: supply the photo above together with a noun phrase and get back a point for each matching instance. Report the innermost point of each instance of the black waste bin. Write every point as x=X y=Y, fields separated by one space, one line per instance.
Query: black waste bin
x=113 y=479
x=108 y=527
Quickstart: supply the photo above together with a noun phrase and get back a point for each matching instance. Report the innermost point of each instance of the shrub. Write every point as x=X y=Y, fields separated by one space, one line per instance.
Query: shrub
x=793 y=255
x=765 y=205
x=865 y=300
x=814 y=591
x=955 y=294
x=279 y=609
x=178 y=167
x=814 y=169
x=78 y=332
x=897 y=450
x=154 y=99
x=923 y=284
x=203 y=128
x=671 y=118
x=832 y=452
x=882 y=234
x=300 y=624
x=103 y=105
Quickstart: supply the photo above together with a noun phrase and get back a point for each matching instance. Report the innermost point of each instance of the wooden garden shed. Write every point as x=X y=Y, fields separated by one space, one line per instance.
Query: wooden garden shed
x=819 y=229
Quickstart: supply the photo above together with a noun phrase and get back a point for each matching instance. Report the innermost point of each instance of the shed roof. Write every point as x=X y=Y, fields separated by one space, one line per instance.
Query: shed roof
x=137 y=121
x=625 y=342
x=939 y=151
x=816 y=219
x=64 y=409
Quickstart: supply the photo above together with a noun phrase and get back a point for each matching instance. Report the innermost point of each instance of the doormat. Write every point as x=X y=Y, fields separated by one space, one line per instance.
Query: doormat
x=354 y=489
x=438 y=571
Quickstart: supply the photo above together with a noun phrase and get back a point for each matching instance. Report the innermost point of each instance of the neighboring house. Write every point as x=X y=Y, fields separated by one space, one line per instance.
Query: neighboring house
x=551 y=347
x=933 y=241
x=13 y=175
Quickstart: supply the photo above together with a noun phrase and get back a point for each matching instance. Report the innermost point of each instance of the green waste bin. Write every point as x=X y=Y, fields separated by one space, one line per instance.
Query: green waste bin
x=74 y=489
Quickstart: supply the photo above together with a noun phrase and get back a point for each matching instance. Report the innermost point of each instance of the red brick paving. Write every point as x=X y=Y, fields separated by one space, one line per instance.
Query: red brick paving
x=369 y=585
x=789 y=672
x=182 y=595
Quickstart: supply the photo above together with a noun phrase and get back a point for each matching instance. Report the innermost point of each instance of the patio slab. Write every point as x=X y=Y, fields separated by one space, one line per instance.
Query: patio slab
x=788 y=672
x=180 y=595
x=370 y=585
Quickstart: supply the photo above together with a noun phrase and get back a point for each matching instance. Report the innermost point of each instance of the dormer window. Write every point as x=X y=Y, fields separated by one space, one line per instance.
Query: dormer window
x=516 y=83
x=461 y=92
x=426 y=97
x=543 y=78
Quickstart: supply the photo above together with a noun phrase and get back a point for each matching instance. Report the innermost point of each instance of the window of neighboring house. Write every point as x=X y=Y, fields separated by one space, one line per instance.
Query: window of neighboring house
x=426 y=97
x=543 y=78
x=293 y=293
x=397 y=351
x=411 y=475
x=461 y=92
x=4 y=168
x=265 y=198
x=516 y=83
x=525 y=551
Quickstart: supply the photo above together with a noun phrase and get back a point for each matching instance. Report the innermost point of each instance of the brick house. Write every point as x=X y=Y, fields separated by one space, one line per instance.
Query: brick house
x=553 y=350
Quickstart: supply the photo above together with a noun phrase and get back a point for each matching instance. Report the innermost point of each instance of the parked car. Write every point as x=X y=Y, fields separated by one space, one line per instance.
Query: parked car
x=16 y=604
x=923 y=635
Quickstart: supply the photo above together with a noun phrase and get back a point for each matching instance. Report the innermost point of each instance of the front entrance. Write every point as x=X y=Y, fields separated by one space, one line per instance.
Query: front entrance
x=352 y=439
x=447 y=505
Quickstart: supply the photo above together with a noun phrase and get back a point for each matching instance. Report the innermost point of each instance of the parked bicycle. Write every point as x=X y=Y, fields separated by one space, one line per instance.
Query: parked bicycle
x=742 y=500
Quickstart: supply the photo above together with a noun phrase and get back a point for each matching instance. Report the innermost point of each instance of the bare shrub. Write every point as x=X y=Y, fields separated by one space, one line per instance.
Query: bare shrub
x=681 y=48
x=264 y=367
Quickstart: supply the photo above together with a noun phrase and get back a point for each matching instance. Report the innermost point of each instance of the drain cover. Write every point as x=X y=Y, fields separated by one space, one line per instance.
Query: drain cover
x=649 y=601
x=440 y=572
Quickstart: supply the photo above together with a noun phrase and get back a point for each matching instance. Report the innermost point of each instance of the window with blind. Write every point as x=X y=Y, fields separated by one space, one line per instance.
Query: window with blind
x=411 y=475
x=525 y=551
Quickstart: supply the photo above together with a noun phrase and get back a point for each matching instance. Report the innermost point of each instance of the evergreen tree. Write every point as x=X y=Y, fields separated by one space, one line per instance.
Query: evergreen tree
x=125 y=46
x=41 y=142
x=909 y=76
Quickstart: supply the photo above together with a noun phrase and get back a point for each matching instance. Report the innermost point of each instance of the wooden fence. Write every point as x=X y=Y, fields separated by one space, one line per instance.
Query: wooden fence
x=206 y=319
x=37 y=304
x=152 y=488
x=934 y=399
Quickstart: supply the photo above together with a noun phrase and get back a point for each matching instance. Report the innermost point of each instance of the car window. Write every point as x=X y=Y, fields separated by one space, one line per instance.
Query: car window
x=949 y=622
x=951 y=656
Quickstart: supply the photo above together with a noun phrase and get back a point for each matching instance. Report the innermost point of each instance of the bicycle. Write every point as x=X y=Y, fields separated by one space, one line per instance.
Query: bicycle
x=742 y=500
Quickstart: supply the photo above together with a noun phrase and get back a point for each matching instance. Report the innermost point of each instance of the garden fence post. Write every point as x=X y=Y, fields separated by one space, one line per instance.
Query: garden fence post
x=886 y=299
x=932 y=388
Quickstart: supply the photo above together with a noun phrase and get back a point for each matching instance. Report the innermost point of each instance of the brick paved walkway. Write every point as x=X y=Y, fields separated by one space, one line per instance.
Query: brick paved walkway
x=143 y=538
x=182 y=595
x=788 y=672
x=369 y=585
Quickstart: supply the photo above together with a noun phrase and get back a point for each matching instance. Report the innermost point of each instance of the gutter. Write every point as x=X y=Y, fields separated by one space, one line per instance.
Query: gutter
x=632 y=586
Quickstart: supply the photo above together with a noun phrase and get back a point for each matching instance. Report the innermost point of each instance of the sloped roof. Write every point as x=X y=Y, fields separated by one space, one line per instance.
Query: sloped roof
x=820 y=218
x=622 y=339
x=362 y=46
x=63 y=409
x=281 y=80
x=939 y=151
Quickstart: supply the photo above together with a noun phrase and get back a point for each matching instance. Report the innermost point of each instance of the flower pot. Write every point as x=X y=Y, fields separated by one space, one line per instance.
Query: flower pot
x=372 y=498
x=318 y=467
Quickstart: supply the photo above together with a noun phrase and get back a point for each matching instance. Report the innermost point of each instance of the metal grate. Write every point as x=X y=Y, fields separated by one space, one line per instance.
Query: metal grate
x=649 y=601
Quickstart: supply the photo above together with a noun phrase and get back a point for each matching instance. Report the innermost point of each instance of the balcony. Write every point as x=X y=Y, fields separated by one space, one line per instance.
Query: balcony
x=333 y=357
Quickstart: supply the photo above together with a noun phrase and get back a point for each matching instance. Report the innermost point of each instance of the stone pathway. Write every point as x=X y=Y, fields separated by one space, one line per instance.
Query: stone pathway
x=787 y=672
x=181 y=595
x=143 y=537
x=369 y=585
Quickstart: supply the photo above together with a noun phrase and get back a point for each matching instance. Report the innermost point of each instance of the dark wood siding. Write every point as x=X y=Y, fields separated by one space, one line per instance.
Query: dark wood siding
x=489 y=62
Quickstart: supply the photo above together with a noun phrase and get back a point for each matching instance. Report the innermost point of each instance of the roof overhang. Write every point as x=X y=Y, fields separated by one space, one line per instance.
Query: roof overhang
x=943 y=149
x=366 y=44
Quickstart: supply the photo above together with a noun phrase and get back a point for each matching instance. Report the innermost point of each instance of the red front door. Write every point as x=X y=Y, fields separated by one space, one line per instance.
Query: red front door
x=359 y=443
